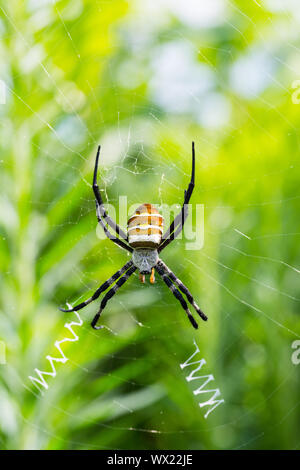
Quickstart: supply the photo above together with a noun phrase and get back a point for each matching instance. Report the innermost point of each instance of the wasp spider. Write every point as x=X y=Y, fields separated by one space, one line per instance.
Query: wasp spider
x=144 y=240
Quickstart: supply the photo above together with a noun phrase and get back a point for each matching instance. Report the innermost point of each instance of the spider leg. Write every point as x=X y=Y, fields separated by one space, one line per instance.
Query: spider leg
x=110 y=294
x=100 y=205
x=111 y=237
x=183 y=289
x=101 y=289
x=176 y=293
x=180 y=219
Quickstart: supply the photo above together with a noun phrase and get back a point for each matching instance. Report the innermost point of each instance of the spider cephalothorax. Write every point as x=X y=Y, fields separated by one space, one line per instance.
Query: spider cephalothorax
x=144 y=240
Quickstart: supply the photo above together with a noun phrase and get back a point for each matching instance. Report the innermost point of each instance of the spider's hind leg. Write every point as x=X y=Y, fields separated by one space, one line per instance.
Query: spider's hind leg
x=176 y=293
x=100 y=205
x=183 y=289
x=101 y=289
x=110 y=294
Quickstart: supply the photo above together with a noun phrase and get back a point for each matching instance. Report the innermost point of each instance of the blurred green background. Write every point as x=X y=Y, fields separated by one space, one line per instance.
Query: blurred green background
x=145 y=78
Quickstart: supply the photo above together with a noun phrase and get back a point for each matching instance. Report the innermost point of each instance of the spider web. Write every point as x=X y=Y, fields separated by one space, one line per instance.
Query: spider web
x=130 y=149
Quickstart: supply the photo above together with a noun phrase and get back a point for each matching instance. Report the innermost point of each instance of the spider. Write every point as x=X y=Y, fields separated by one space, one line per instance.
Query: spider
x=144 y=240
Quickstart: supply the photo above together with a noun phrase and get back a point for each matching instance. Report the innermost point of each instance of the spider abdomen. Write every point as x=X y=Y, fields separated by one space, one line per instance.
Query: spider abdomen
x=145 y=227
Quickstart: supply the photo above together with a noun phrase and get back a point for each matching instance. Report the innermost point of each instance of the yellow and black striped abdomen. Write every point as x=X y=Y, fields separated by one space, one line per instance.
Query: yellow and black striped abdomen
x=145 y=227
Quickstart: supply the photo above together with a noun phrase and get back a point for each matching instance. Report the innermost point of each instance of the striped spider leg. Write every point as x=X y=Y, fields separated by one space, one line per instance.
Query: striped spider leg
x=103 y=216
x=176 y=293
x=110 y=294
x=165 y=272
x=101 y=289
x=121 y=277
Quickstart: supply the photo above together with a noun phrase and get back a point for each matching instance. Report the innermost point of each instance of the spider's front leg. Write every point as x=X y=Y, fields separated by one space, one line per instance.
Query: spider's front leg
x=103 y=216
x=98 y=197
x=110 y=294
x=177 y=224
